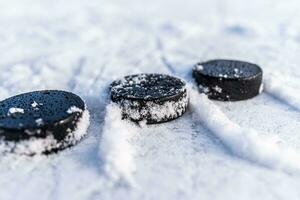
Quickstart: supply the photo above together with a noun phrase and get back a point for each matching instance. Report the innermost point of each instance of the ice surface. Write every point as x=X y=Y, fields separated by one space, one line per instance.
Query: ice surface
x=116 y=149
x=244 y=142
x=275 y=85
x=82 y=46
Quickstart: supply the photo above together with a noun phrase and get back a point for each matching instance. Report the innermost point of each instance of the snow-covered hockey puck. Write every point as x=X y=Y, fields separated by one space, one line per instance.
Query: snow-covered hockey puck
x=228 y=80
x=153 y=98
x=42 y=122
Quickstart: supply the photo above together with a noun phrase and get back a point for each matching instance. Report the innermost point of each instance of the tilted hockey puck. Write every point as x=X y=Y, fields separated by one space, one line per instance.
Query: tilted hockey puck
x=229 y=80
x=153 y=98
x=42 y=122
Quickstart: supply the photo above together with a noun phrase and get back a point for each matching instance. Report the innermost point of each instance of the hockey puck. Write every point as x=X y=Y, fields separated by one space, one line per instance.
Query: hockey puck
x=229 y=80
x=154 y=98
x=42 y=122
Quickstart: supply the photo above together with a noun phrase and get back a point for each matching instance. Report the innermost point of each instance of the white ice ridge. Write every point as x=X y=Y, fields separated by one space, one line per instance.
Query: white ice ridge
x=275 y=86
x=116 y=149
x=244 y=142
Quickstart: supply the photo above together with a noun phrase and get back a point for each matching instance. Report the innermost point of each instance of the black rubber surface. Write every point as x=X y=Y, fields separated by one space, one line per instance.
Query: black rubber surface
x=228 y=80
x=143 y=88
x=44 y=113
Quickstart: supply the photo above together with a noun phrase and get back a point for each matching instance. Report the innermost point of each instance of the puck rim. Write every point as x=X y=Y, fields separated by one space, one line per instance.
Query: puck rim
x=143 y=106
x=231 y=88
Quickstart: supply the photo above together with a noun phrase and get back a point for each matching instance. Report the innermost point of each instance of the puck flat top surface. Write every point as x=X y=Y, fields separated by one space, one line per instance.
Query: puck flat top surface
x=147 y=87
x=228 y=80
x=228 y=69
x=38 y=110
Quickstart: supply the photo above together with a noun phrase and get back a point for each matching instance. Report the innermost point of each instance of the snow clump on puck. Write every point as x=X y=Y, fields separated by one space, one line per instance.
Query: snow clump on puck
x=60 y=121
x=153 y=98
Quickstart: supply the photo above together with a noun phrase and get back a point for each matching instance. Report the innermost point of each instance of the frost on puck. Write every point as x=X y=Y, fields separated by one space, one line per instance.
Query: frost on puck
x=228 y=80
x=154 y=98
x=42 y=122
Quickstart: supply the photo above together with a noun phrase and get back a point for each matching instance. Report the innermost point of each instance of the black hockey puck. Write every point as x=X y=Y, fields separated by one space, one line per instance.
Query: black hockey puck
x=154 y=98
x=228 y=80
x=42 y=122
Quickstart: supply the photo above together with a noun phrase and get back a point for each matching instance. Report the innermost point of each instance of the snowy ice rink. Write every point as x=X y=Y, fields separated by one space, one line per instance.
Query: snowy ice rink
x=81 y=46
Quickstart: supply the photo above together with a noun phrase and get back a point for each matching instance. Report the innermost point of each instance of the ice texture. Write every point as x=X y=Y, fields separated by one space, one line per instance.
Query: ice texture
x=116 y=150
x=244 y=142
x=275 y=86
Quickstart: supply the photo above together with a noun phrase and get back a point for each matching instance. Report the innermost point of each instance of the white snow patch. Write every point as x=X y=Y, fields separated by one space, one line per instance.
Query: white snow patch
x=15 y=110
x=116 y=149
x=204 y=89
x=261 y=88
x=218 y=89
x=223 y=75
x=74 y=109
x=199 y=67
x=236 y=72
x=157 y=112
x=243 y=142
x=34 y=104
x=81 y=129
x=39 y=121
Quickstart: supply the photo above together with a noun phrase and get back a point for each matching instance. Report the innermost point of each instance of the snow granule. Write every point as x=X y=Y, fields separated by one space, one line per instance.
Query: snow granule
x=39 y=121
x=74 y=109
x=218 y=89
x=34 y=104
